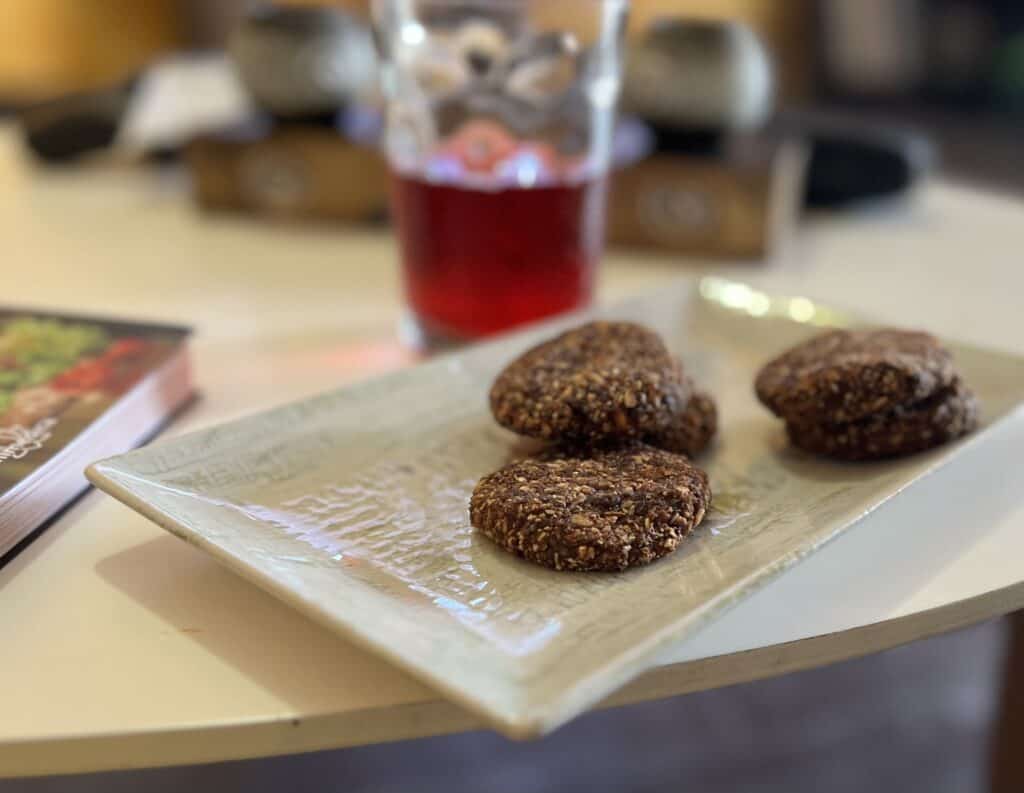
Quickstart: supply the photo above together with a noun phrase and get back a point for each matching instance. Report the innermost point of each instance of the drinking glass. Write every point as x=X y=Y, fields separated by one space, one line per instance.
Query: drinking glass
x=500 y=116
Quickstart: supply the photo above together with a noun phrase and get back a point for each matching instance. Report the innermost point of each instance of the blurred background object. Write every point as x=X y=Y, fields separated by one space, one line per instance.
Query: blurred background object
x=301 y=59
x=929 y=83
x=156 y=112
x=951 y=67
x=715 y=185
x=747 y=103
x=728 y=83
x=304 y=62
x=853 y=160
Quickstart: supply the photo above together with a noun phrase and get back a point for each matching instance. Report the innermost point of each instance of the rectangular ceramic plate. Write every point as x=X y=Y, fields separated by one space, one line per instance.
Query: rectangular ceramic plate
x=352 y=506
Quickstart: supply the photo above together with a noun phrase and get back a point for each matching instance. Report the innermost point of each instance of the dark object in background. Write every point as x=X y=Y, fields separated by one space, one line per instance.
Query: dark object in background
x=64 y=129
x=961 y=40
x=302 y=63
x=155 y=113
x=690 y=141
x=852 y=162
x=845 y=170
x=1008 y=76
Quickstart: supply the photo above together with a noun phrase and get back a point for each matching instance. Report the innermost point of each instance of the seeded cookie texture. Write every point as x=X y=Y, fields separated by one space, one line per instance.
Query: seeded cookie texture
x=603 y=380
x=944 y=416
x=845 y=375
x=606 y=511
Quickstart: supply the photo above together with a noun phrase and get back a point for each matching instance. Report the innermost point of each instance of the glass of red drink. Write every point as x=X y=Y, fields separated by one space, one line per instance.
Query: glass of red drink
x=499 y=128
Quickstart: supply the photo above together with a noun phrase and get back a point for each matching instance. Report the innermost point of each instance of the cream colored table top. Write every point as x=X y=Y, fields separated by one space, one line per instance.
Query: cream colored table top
x=124 y=647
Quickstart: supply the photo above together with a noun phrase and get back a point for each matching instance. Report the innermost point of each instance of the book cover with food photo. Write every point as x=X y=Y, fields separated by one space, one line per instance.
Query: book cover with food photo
x=72 y=390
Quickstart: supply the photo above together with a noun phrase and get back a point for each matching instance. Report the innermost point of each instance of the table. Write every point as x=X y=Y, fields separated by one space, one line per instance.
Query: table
x=124 y=647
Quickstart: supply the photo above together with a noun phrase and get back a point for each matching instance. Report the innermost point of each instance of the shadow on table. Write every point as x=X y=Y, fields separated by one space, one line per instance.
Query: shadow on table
x=36 y=544
x=265 y=640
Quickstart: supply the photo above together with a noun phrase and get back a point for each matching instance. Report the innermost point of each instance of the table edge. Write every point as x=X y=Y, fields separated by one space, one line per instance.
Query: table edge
x=291 y=734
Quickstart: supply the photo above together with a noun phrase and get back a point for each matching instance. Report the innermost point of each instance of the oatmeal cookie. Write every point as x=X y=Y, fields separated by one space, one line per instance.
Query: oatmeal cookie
x=602 y=381
x=942 y=417
x=845 y=375
x=607 y=511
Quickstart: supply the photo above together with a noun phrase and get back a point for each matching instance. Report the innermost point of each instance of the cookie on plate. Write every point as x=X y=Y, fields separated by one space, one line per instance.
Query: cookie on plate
x=844 y=375
x=691 y=432
x=605 y=511
x=941 y=417
x=601 y=381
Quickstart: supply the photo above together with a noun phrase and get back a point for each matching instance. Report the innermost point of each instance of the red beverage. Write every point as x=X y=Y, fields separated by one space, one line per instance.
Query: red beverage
x=479 y=261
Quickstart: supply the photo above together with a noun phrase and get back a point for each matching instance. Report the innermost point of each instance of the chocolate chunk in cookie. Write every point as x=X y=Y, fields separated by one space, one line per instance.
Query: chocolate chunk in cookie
x=602 y=381
x=845 y=375
x=607 y=511
x=942 y=417
x=691 y=432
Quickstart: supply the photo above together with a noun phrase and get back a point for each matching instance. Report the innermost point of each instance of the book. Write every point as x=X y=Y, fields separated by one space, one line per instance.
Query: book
x=75 y=389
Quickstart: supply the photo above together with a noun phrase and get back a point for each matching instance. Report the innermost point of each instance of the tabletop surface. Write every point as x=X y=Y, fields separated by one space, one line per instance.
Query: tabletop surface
x=124 y=647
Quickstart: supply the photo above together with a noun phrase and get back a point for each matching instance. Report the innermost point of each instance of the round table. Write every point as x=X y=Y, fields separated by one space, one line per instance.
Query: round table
x=124 y=647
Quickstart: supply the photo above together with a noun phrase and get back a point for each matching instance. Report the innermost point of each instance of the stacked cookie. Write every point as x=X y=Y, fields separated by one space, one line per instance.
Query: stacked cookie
x=868 y=394
x=604 y=383
x=615 y=489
